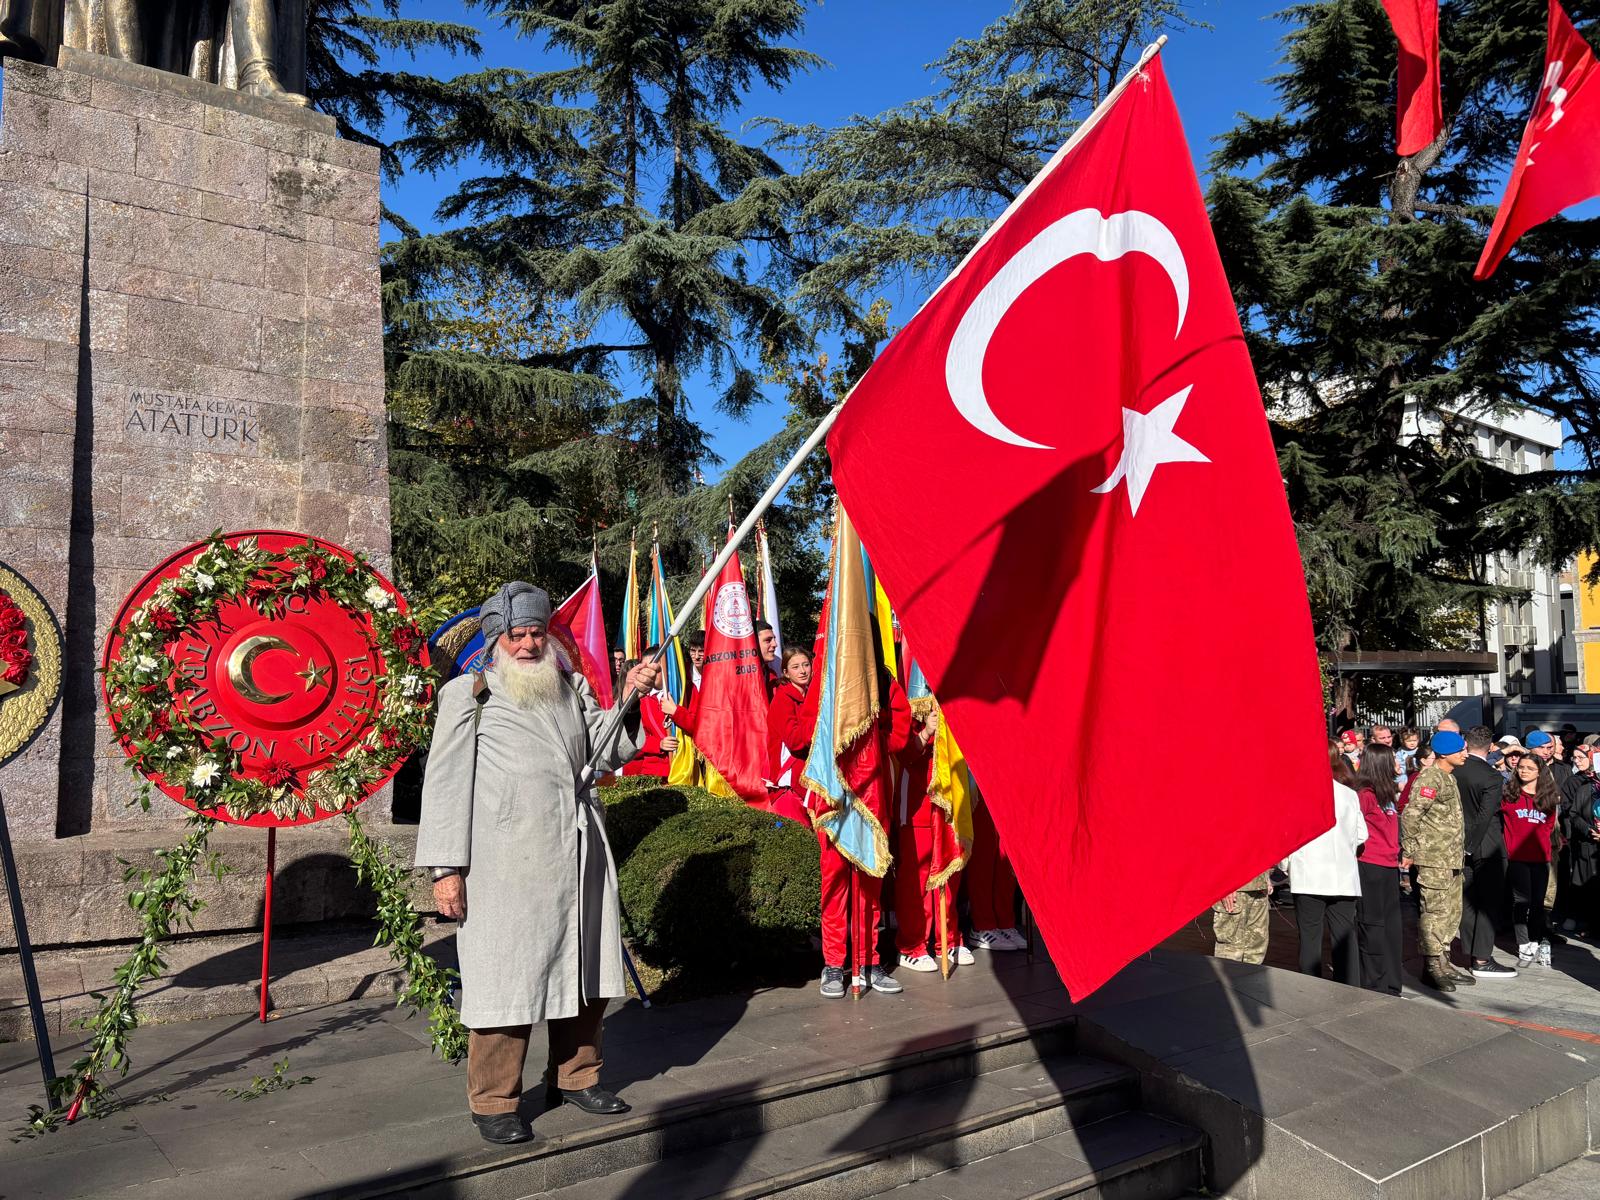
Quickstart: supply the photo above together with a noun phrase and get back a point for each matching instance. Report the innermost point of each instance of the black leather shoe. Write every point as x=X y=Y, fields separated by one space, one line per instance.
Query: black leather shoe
x=593 y=1099
x=503 y=1129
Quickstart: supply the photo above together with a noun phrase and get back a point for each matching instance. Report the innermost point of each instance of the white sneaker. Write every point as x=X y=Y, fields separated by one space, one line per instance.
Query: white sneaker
x=919 y=962
x=1544 y=954
x=963 y=956
x=991 y=939
x=1527 y=954
x=1014 y=936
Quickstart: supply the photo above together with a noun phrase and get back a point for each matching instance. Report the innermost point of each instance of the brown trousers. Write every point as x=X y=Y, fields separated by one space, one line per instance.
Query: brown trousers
x=495 y=1058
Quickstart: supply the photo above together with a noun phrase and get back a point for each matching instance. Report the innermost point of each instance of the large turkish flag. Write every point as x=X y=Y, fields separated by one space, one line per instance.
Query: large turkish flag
x=1097 y=565
x=1558 y=163
x=1420 y=113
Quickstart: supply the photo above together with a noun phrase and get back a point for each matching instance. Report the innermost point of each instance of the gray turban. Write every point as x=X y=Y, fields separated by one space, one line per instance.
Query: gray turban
x=514 y=606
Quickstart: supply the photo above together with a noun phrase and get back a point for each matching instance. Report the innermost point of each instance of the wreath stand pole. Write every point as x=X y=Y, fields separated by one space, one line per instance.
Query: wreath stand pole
x=266 y=914
x=30 y=978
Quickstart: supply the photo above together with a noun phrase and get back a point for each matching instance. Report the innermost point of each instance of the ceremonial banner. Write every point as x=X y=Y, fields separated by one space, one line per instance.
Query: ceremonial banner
x=950 y=787
x=580 y=627
x=674 y=670
x=1420 y=114
x=844 y=760
x=1124 y=557
x=1558 y=162
x=731 y=707
x=766 y=587
x=628 y=630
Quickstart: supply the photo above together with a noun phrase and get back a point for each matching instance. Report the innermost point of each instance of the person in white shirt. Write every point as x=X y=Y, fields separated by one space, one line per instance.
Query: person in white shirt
x=1326 y=881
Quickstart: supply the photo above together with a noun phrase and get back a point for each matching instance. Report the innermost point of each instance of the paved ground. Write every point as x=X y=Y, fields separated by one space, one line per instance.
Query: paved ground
x=1564 y=997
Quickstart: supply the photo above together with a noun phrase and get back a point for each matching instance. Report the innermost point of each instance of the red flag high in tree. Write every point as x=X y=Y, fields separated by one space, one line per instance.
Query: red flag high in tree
x=1420 y=114
x=1125 y=561
x=730 y=709
x=1558 y=162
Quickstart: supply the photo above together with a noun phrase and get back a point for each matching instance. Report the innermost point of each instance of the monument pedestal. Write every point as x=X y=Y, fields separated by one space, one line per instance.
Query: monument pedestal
x=190 y=340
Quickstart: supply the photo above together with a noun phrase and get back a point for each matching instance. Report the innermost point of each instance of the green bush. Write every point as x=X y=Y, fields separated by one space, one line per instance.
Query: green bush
x=638 y=804
x=719 y=887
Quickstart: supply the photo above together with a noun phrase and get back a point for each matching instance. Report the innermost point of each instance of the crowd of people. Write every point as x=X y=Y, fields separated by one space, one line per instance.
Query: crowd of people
x=1488 y=836
x=985 y=886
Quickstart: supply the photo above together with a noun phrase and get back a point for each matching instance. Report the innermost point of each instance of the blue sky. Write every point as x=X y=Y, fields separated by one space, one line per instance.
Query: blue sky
x=877 y=51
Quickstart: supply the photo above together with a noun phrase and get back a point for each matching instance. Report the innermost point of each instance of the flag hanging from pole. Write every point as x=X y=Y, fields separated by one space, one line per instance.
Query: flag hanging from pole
x=674 y=670
x=845 y=757
x=580 y=627
x=1558 y=162
x=1130 y=536
x=730 y=710
x=950 y=785
x=766 y=587
x=1420 y=111
x=628 y=630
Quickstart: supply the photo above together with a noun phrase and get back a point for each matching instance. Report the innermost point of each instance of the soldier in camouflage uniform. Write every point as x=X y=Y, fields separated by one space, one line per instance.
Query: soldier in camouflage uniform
x=1239 y=921
x=1431 y=837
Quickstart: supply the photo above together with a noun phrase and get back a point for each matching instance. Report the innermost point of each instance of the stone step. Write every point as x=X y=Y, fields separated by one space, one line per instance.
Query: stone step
x=912 y=1133
x=1131 y=1156
x=962 y=1087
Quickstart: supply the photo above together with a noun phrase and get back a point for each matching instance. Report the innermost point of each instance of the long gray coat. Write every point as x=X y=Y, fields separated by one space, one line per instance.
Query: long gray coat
x=541 y=933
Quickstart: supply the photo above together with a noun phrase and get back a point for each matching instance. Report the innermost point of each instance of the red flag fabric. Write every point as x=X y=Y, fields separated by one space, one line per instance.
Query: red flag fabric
x=730 y=709
x=1558 y=163
x=1420 y=114
x=1122 y=568
x=581 y=629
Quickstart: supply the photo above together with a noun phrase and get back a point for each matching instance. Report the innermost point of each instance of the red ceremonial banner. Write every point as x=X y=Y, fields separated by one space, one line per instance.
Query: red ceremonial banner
x=580 y=627
x=1420 y=111
x=1123 y=562
x=1558 y=162
x=731 y=703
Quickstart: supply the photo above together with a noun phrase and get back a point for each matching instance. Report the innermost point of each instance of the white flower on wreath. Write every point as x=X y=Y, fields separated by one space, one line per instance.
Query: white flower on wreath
x=377 y=596
x=174 y=751
x=204 y=774
x=203 y=581
x=145 y=664
x=410 y=685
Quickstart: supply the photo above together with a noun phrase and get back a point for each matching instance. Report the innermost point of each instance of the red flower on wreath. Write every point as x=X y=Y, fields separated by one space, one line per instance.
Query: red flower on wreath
x=12 y=618
x=406 y=638
x=317 y=569
x=275 y=772
x=17 y=639
x=164 y=619
x=390 y=740
x=16 y=664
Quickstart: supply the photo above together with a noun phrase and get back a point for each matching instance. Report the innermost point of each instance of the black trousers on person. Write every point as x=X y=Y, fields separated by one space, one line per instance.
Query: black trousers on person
x=1529 y=882
x=1483 y=893
x=1378 y=919
x=1339 y=913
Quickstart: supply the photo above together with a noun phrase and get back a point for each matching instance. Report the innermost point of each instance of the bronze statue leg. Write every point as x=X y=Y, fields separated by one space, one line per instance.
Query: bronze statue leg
x=30 y=29
x=254 y=41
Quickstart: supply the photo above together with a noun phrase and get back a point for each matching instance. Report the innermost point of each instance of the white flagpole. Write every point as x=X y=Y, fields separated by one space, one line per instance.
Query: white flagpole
x=770 y=496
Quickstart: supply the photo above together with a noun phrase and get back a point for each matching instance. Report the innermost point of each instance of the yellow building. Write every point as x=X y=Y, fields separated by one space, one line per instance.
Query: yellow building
x=1586 y=627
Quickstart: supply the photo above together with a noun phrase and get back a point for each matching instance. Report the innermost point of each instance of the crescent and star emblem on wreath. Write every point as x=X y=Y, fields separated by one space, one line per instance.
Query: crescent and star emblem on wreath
x=241 y=674
x=1148 y=440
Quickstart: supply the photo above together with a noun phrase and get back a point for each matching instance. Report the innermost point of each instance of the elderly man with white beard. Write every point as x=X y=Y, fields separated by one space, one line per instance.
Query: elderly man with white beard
x=520 y=858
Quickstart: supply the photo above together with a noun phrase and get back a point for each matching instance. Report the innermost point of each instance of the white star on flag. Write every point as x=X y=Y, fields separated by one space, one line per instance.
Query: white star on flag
x=1147 y=443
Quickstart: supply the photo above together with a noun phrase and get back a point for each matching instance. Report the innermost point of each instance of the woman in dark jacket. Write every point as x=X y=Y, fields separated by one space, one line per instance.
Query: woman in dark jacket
x=1580 y=794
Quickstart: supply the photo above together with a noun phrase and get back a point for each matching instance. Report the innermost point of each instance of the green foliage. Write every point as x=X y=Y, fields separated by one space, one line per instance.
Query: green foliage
x=161 y=897
x=1375 y=349
x=717 y=889
x=637 y=804
x=265 y=1085
x=428 y=985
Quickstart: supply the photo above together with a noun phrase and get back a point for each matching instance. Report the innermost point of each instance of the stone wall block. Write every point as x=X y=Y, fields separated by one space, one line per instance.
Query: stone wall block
x=92 y=137
x=113 y=230
x=17 y=352
x=322 y=189
x=139 y=192
x=39 y=308
x=108 y=322
x=342 y=436
x=163 y=329
x=251 y=214
x=254 y=131
x=56 y=266
x=33 y=79
x=353 y=156
x=206 y=249
x=31 y=399
x=200 y=161
x=25 y=117
x=131 y=280
x=344 y=276
x=38 y=214
x=332 y=353
x=285 y=264
x=361 y=237
x=163 y=106
x=283 y=347
x=282 y=306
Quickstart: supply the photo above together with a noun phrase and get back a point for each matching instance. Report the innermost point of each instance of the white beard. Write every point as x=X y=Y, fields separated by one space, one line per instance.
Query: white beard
x=530 y=686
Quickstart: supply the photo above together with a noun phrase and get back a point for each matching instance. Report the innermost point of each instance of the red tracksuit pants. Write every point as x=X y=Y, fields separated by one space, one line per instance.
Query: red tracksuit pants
x=836 y=873
x=916 y=909
x=991 y=885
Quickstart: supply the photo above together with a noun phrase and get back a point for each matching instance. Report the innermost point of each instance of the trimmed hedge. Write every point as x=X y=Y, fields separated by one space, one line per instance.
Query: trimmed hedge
x=716 y=885
x=637 y=804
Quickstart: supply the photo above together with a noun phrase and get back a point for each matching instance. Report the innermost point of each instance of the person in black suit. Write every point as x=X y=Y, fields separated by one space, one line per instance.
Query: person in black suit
x=1483 y=876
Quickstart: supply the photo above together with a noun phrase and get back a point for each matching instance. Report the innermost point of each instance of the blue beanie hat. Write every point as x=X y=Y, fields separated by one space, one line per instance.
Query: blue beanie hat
x=1538 y=738
x=1448 y=742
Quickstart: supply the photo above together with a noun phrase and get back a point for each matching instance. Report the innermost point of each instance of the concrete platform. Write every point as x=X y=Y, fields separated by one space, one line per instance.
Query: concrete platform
x=1300 y=1087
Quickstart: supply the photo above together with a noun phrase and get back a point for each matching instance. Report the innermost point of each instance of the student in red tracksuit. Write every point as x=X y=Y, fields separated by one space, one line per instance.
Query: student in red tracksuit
x=659 y=744
x=789 y=737
x=991 y=888
x=916 y=909
x=893 y=733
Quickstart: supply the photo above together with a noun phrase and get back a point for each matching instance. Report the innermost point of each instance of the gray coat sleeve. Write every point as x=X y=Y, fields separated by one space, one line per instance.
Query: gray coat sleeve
x=629 y=737
x=444 y=836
